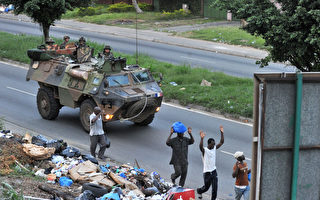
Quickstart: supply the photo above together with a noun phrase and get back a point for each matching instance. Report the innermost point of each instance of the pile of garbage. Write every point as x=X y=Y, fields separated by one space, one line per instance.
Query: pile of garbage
x=98 y=180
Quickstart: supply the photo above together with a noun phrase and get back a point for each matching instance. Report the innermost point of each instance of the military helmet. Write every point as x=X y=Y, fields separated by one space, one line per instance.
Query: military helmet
x=66 y=37
x=50 y=41
x=82 y=39
x=107 y=47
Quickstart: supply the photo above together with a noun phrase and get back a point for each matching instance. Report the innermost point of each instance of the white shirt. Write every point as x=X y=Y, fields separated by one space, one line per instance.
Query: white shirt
x=96 y=128
x=209 y=159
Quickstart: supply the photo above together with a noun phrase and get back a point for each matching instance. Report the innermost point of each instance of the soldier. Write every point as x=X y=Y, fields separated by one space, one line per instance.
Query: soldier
x=81 y=43
x=50 y=44
x=66 y=39
x=107 y=52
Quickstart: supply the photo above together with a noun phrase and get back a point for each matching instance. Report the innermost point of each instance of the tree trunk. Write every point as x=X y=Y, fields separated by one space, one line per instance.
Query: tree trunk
x=45 y=30
x=136 y=6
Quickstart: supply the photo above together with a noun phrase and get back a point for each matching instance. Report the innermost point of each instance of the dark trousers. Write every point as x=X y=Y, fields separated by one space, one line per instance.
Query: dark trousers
x=97 y=139
x=180 y=170
x=210 y=178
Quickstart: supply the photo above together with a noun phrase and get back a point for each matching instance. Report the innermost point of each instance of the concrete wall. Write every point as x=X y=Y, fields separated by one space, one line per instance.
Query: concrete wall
x=277 y=137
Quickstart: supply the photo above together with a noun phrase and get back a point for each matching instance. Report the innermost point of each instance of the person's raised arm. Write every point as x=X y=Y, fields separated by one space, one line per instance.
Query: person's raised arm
x=191 y=137
x=96 y=118
x=221 y=138
x=169 y=138
x=202 y=135
x=236 y=170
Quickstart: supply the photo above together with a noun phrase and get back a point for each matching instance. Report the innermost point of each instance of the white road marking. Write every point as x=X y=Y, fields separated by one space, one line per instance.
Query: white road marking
x=168 y=104
x=21 y=91
x=207 y=114
x=197 y=59
x=231 y=154
x=14 y=65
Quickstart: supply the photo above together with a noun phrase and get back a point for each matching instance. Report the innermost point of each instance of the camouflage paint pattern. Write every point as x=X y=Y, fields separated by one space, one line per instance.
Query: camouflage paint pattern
x=74 y=82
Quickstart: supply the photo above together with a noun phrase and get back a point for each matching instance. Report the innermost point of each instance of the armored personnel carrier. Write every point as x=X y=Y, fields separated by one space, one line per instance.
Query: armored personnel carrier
x=72 y=77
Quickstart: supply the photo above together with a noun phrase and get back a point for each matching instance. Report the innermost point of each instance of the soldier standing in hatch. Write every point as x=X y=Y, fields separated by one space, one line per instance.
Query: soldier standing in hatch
x=81 y=43
x=97 y=134
x=66 y=39
x=107 y=52
x=179 y=158
x=50 y=44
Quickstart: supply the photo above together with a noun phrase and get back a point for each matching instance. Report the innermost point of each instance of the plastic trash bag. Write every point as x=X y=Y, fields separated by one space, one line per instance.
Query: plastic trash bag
x=91 y=158
x=65 y=181
x=59 y=145
x=86 y=195
x=39 y=140
x=107 y=141
x=71 y=152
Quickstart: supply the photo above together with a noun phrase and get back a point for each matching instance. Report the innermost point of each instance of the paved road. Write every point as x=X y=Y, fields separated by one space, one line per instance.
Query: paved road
x=232 y=65
x=147 y=144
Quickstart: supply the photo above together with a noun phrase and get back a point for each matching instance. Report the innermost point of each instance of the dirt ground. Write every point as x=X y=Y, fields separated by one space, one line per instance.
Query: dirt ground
x=22 y=181
x=29 y=186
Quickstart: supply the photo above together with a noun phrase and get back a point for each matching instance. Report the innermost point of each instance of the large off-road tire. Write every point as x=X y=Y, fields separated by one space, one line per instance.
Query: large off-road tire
x=48 y=106
x=146 y=121
x=86 y=109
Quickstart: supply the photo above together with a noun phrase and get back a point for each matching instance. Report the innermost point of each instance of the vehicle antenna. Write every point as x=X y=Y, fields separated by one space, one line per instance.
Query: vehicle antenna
x=136 y=38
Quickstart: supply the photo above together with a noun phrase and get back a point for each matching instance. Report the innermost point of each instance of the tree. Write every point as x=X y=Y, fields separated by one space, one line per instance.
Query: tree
x=136 y=6
x=289 y=27
x=45 y=12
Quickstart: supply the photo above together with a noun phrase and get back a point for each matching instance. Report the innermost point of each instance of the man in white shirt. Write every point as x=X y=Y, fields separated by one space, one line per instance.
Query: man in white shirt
x=210 y=175
x=97 y=134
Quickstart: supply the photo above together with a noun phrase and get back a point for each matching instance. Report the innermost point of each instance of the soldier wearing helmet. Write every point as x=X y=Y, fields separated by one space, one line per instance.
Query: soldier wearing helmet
x=107 y=52
x=66 y=39
x=50 y=45
x=81 y=43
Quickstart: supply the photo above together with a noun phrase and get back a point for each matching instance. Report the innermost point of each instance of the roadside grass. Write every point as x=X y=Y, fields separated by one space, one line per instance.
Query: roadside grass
x=227 y=95
x=227 y=34
x=146 y=20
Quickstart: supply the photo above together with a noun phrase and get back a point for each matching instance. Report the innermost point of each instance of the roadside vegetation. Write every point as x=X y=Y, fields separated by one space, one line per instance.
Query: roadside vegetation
x=227 y=95
x=228 y=35
x=124 y=15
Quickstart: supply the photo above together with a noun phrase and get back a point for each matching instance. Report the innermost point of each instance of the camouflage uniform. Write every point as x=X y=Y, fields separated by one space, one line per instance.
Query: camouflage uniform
x=65 y=42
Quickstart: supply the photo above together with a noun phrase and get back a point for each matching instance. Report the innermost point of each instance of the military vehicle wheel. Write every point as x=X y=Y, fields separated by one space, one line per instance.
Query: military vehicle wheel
x=146 y=121
x=48 y=106
x=86 y=109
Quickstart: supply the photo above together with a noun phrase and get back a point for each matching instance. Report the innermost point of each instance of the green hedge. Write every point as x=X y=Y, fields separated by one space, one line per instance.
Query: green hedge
x=120 y=7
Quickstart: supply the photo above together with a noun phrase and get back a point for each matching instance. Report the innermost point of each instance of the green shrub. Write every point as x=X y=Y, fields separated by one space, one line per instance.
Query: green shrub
x=89 y=11
x=145 y=6
x=101 y=9
x=120 y=7
x=177 y=14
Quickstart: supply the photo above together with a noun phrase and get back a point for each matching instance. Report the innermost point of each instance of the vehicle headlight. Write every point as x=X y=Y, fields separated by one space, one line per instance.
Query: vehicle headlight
x=108 y=117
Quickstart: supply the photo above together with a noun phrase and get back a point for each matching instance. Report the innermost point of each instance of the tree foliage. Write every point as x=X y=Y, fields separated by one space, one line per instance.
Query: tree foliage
x=290 y=27
x=45 y=12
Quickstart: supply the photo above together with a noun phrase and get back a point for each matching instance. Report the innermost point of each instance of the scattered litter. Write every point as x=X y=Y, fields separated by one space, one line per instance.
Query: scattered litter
x=205 y=83
x=68 y=167
x=173 y=83
x=38 y=152
x=182 y=88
